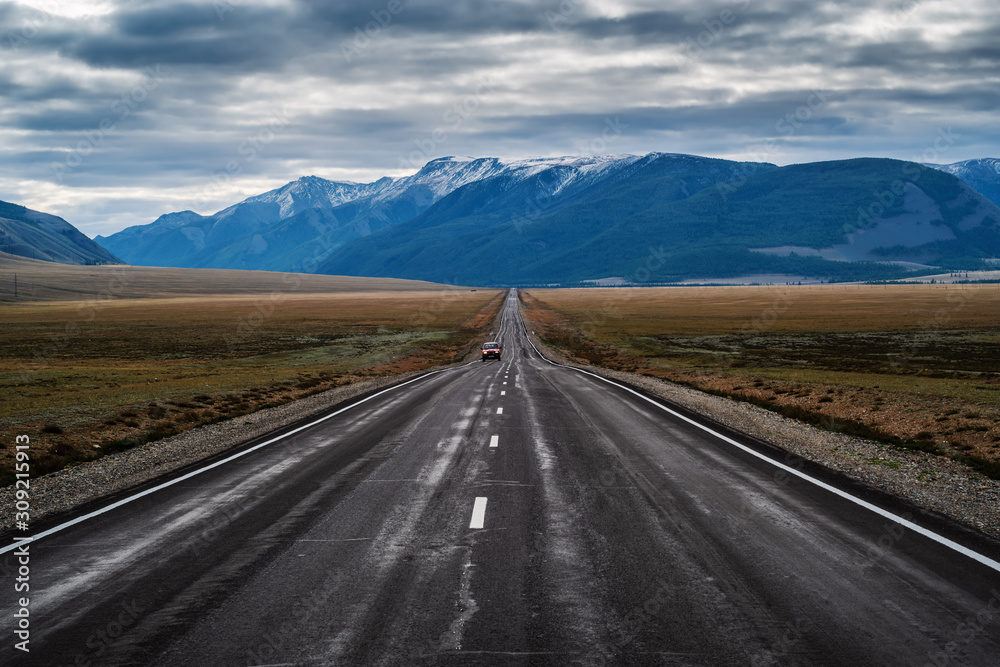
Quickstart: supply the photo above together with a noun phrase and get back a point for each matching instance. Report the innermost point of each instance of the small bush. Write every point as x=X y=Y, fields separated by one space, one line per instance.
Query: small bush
x=989 y=468
x=54 y=429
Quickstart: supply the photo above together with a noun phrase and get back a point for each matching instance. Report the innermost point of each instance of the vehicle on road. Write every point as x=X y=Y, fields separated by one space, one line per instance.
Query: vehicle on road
x=492 y=350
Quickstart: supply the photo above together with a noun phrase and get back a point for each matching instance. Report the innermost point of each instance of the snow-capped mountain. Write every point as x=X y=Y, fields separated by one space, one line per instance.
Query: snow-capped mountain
x=667 y=218
x=497 y=220
x=281 y=229
x=982 y=174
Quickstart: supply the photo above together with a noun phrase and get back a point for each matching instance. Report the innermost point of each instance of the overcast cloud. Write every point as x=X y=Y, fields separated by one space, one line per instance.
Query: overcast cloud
x=113 y=113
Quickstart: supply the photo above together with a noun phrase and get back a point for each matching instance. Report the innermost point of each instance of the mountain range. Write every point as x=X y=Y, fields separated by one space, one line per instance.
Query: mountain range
x=659 y=217
x=295 y=227
x=37 y=235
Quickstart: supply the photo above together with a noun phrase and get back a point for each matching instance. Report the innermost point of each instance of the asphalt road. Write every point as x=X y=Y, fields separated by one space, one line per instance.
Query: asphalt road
x=507 y=513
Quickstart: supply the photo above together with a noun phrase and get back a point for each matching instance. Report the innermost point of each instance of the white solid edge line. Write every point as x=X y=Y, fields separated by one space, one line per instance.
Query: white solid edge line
x=494 y=441
x=193 y=473
x=478 y=513
x=940 y=539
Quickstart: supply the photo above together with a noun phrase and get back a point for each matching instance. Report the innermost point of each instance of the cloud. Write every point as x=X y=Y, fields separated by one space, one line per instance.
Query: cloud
x=366 y=88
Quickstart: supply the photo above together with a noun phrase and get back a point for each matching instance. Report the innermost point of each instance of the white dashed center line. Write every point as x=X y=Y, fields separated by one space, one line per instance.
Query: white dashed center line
x=503 y=393
x=494 y=441
x=499 y=411
x=478 y=513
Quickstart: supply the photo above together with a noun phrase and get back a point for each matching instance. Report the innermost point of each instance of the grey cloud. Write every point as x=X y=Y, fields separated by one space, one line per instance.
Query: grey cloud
x=559 y=67
x=440 y=17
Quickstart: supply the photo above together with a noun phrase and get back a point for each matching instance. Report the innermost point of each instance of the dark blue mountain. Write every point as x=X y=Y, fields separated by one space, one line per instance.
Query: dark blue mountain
x=37 y=235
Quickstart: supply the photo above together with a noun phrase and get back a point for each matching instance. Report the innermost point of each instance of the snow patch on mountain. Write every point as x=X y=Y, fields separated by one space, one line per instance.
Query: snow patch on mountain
x=982 y=175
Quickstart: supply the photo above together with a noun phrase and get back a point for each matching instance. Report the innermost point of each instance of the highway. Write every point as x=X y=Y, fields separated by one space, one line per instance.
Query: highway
x=511 y=513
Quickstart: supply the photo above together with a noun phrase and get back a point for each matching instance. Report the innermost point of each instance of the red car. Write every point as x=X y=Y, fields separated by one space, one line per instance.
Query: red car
x=492 y=350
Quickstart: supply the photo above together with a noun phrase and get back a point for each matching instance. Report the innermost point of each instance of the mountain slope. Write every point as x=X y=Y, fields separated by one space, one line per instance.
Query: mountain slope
x=276 y=230
x=37 y=235
x=559 y=219
x=982 y=175
x=673 y=221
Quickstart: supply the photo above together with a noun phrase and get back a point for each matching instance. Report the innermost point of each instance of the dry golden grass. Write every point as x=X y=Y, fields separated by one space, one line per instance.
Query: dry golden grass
x=793 y=309
x=75 y=373
x=46 y=281
x=917 y=365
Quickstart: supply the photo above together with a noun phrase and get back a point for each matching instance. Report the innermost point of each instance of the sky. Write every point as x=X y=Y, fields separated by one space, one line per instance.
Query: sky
x=113 y=113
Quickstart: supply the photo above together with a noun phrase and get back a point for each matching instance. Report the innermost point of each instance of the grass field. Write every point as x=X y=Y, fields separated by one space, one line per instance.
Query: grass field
x=912 y=365
x=85 y=374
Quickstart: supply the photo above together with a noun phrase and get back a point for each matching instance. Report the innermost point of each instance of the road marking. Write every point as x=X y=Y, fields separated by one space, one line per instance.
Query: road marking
x=499 y=411
x=494 y=441
x=940 y=539
x=503 y=393
x=478 y=513
x=193 y=473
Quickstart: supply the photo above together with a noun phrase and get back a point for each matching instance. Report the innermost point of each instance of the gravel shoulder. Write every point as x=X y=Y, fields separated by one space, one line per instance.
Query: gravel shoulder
x=928 y=481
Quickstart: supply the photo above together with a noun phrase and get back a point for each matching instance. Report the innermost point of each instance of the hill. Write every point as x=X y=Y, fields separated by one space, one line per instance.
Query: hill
x=45 y=281
x=680 y=219
x=37 y=235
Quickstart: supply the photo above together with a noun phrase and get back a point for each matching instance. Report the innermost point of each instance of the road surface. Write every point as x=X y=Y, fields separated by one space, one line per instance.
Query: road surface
x=513 y=512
